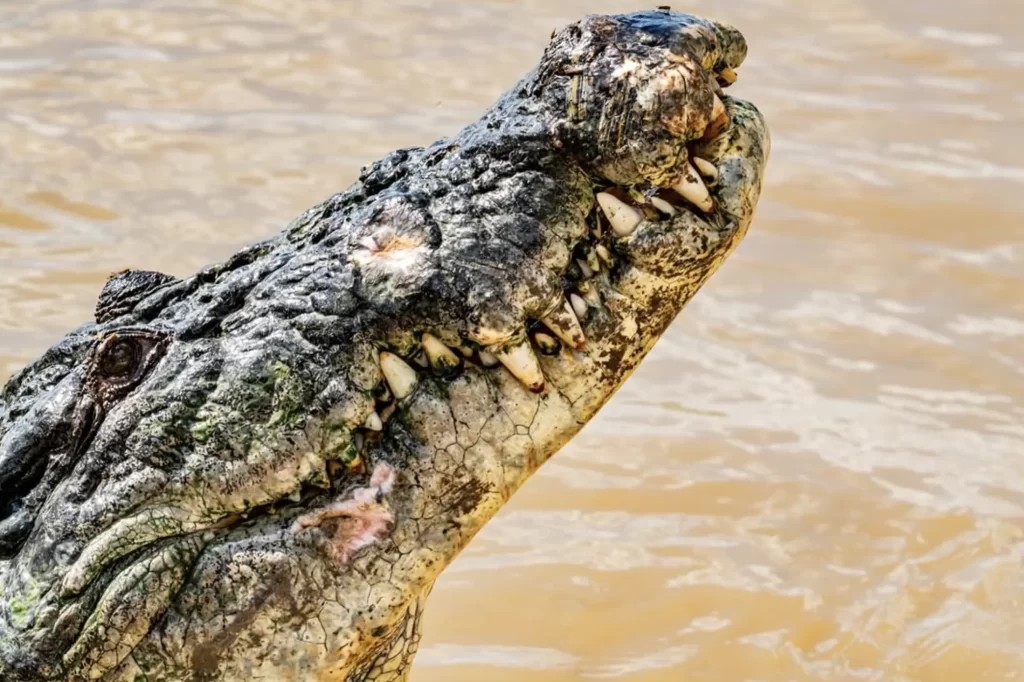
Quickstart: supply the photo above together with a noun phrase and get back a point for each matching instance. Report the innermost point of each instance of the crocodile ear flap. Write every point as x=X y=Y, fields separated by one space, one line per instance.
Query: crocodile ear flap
x=125 y=289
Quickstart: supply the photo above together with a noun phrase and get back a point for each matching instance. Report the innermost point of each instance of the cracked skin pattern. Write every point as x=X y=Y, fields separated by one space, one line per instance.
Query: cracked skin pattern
x=216 y=480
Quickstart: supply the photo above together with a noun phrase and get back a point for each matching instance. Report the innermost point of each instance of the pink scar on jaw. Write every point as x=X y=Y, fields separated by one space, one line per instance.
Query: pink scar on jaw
x=358 y=521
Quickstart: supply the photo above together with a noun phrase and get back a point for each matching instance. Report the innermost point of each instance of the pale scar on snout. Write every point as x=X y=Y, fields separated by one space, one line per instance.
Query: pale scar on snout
x=358 y=521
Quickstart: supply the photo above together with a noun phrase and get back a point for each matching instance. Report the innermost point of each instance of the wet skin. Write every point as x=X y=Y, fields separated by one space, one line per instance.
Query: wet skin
x=260 y=471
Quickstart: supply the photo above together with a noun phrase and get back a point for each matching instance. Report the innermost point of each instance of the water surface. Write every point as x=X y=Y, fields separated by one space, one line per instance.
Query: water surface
x=819 y=472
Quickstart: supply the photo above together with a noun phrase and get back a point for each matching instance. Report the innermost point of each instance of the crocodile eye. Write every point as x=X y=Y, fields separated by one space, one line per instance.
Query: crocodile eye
x=122 y=360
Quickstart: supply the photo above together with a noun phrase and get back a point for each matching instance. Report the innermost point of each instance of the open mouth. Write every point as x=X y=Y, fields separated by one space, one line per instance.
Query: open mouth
x=618 y=214
x=545 y=249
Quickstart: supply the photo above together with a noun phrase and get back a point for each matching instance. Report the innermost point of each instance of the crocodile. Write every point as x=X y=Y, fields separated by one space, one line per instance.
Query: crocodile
x=260 y=470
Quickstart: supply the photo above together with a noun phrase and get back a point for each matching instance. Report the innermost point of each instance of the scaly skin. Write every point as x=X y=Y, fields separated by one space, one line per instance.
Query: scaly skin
x=257 y=473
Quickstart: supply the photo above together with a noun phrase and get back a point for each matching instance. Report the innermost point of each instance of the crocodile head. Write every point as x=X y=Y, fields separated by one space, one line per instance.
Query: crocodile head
x=260 y=470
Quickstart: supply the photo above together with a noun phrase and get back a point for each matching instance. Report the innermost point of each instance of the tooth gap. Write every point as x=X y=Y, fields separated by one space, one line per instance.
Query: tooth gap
x=382 y=394
x=547 y=344
x=620 y=193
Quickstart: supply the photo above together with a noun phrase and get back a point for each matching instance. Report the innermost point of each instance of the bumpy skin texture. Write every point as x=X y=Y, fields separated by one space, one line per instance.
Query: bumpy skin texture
x=217 y=481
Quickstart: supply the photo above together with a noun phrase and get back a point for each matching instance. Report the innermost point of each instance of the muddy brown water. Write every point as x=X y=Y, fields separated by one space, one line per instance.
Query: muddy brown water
x=819 y=472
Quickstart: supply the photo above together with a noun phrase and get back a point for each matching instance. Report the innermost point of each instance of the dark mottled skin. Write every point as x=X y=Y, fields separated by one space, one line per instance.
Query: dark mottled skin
x=193 y=488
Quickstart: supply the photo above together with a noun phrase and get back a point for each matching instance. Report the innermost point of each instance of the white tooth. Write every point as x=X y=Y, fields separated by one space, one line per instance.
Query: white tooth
x=373 y=422
x=566 y=326
x=421 y=359
x=585 y=269
x=593 y=262
x=400 y=376
x=719 y=119
x=466 y=351
x=604 y=254
x=358 y=440
x=440 y=356
x=369 y=243
x=522 y=363
x=547 y=344
x=622 y=217
x=692 y=188
x=663 y=206
x=579 y=306
x=706 y=168
x=717 y=108
x=488 y=359
x=728 y=75
x=592 y=297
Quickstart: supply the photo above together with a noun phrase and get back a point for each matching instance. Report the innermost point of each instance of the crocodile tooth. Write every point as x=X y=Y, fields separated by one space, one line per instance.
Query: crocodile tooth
x=421 y=359
x=547 y=344
x=663 y=206
x=373 y=422
x=441 y=357
x=579 y=306
x=592 y=261
x=692 y=188
x=564 y=323
x=706 y=168
x=466 y=351
x=488 y=359
x=522 y=363
x=592 y=297
x=604 y=254
x=585 y=269
x=717 y=108
x=623 y=218
x=719 y=119
x=728 y=75
x=358 y=440
x=370 y=244
x=400 y=376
